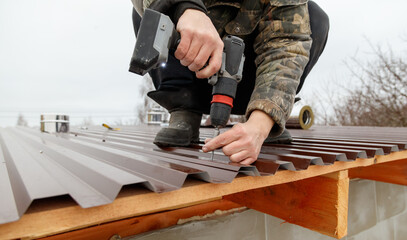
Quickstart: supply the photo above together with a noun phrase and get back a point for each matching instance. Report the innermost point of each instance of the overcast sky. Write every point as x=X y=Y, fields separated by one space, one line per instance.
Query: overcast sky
x=72 y=57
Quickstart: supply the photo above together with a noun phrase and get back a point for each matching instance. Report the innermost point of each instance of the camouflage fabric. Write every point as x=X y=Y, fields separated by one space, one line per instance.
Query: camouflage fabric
x=282 y=47
x=138 y=5
x=146 y=3
x=282 y=43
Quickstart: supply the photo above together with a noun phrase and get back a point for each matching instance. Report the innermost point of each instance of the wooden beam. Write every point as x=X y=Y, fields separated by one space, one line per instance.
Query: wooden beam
x=137 y=225
x=394 y=156
x=390 y=172
x=319 y=203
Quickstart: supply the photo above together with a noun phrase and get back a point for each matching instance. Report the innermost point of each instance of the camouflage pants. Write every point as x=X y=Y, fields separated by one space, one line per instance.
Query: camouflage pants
x=174 y=76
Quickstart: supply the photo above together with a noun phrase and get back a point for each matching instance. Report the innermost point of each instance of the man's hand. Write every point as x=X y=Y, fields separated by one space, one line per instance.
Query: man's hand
x=243 y=142
x=199 y=42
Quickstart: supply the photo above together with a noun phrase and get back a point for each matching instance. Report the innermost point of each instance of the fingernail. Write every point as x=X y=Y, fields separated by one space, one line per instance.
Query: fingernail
x=204 y=148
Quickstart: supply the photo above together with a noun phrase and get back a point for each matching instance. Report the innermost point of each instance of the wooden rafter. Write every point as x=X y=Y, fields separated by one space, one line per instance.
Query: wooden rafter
x=318 y=203
x=390 y=172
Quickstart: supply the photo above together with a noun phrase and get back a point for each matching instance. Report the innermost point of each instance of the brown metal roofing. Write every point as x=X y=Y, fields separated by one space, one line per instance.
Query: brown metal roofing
x=93 y=165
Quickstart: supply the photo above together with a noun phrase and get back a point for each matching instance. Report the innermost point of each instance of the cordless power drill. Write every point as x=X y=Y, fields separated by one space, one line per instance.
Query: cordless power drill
x=157 y=35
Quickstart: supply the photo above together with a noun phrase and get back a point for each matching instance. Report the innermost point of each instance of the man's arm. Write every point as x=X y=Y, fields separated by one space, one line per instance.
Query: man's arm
x=282 y=49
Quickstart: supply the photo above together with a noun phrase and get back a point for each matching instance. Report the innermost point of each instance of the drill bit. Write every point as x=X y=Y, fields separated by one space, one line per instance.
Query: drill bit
x=215 y=134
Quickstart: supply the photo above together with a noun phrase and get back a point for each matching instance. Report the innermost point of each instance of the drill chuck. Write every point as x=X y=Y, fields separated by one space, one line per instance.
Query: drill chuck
x=220 y=114
x=221 y=106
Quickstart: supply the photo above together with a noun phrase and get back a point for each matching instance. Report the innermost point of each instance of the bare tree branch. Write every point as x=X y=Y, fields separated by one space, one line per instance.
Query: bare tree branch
x=378 y=96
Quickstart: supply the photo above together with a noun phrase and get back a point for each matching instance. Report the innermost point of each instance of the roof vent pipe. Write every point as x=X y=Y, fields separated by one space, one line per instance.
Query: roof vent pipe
x=54 y=123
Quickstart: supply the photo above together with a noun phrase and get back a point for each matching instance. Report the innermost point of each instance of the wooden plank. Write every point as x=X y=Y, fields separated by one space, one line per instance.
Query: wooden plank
x=391 y=157
x=134 y=202
x=319 y=203
x=137 y=225
x=390 y=172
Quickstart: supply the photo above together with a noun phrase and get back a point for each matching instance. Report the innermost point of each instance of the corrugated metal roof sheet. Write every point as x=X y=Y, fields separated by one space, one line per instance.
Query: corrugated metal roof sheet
x=93 y=165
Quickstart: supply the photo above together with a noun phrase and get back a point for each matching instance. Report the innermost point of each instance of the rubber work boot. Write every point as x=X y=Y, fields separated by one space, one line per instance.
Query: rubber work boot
x=284 y=138
x=183 y=130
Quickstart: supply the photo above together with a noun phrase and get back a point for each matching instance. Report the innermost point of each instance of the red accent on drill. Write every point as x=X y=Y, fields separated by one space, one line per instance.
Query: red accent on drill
x=222 y=99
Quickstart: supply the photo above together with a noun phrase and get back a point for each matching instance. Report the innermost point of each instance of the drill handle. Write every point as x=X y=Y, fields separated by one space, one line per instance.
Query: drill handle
x=234 y=54
x=232 y=60
x=226 y=80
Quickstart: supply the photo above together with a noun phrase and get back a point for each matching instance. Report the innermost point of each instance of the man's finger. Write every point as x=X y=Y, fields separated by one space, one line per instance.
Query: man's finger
x=215 y=62
x=248 y=161
x=233 y=148
x=201 y=58
x=240 y=156
x=207 y=140
x=183 y=46
x=220 y=141
x=193 y=51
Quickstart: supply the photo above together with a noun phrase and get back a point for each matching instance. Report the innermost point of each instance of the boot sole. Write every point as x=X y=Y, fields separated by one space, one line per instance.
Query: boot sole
x=174 y=138
x=279 y=141
x=162 y=142
x=168 y=142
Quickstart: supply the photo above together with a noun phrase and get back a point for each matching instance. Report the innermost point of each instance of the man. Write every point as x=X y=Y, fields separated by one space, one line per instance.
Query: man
x=280 y=51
